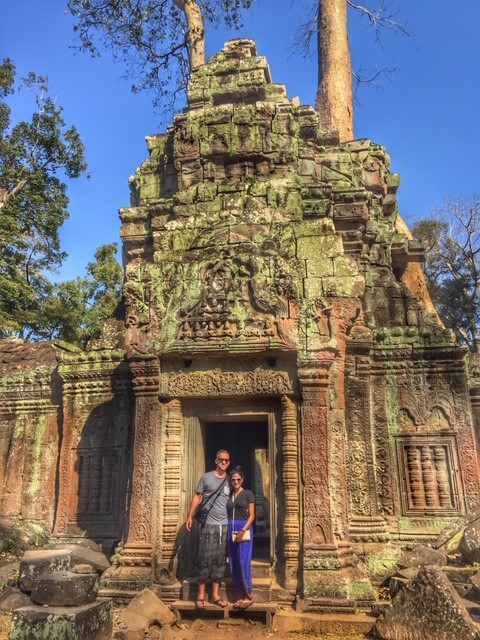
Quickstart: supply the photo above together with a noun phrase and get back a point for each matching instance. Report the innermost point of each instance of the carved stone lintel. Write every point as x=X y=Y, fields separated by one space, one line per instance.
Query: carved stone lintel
x=260 y=381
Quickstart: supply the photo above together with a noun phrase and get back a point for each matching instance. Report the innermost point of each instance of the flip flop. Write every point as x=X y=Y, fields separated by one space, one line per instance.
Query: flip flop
x=220 y=603
x=244 y=604
x=200 y=604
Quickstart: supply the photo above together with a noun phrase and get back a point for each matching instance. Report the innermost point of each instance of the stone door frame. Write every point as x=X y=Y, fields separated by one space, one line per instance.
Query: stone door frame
x=189 y=415
x=197 y=413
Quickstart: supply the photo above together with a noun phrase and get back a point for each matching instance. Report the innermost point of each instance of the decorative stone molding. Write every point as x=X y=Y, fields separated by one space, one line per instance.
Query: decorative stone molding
x=260 y=381
x=291 y=484
x=171 y=490
x=318 y=536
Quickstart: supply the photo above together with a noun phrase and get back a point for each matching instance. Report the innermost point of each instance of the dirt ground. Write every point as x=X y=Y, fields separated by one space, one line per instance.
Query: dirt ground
x=4 y=625
x=214 y=630
x=190 y=629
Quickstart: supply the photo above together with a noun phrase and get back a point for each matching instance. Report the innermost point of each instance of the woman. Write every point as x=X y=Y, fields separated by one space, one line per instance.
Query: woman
x=241 y=514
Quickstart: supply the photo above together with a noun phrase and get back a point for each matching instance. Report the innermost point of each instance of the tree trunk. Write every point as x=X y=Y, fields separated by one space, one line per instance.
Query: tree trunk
x=334 y=94
x=196 y=31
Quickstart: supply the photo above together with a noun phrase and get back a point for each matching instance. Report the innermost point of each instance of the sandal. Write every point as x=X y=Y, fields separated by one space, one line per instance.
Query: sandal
x=220 y=603
x=200 y=604
x=243 y=604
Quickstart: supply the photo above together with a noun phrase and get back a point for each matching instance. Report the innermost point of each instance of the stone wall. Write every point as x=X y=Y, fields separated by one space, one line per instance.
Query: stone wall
x=30 y=432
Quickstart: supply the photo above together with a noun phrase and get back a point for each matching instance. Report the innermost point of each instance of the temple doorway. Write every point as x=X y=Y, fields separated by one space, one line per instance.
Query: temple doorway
x=248 y=444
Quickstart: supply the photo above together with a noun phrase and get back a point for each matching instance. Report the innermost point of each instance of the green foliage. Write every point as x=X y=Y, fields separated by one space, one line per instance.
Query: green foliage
x=76 y=310
x=452 y=266
x=35 y=157
x=150 y=37
x=8 y=546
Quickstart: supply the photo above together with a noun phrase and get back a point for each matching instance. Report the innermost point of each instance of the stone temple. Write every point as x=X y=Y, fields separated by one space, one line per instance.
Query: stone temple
x=274 y=306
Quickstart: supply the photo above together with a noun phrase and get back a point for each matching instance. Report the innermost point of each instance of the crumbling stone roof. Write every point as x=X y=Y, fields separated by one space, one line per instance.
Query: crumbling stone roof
x=18 y=356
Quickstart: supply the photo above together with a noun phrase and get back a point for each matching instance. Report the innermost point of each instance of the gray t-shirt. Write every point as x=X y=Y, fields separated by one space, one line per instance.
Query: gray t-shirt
x=207 y=485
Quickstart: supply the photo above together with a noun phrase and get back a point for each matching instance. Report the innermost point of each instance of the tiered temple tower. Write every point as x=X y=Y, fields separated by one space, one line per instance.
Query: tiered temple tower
x=274 y=306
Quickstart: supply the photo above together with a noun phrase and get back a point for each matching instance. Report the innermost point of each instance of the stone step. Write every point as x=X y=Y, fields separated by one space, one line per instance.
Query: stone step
x=320 y=624
x=330 y=605
x=261 y=568
x=262 y=589
x=183 y=607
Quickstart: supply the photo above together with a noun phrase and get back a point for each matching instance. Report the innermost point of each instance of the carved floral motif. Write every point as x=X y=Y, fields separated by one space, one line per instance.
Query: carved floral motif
x=217 y=382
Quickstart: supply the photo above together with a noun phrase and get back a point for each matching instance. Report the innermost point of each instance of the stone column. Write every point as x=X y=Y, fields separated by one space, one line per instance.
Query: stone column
x=291 y=483
x=135 y=562
x=318 y=537
x=366 y=524
x=170 y=507
x=324 y=556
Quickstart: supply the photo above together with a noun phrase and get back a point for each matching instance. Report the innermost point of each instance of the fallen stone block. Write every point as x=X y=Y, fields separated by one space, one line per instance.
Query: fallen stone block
x=427 y=608
x=475 y=581
x=422 y=556
x=469 y=545
x=85 y=555
x=400 y=579
x=450 y=536
x=65 y=589
x=41 y=562
x=145 y=610
x=12 y=598
x=83 y=568
x=89 y=622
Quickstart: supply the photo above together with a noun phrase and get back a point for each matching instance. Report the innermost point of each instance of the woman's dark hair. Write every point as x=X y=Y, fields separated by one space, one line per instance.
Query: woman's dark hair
x=238 y=470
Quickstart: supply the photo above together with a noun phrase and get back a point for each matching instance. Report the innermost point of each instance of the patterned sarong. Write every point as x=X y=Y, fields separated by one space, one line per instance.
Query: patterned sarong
x=211 y=552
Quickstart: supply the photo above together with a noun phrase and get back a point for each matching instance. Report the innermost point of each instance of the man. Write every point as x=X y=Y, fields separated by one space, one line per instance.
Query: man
x=213 y=490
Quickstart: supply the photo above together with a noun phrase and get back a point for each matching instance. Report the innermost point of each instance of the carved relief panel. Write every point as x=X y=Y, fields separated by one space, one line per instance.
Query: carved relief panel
x=98 y=468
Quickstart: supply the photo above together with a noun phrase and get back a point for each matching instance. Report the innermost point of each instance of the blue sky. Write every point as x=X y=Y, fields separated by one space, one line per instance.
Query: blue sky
x=426 y=114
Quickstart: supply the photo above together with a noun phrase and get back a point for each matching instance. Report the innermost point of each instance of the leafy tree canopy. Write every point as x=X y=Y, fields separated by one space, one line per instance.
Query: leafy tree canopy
x=159 y=41
x=35 y=157
x=76 y=310
x=452 y=266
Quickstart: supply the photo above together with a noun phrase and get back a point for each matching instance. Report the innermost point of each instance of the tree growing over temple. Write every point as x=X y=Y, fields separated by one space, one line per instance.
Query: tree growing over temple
x=159 y=41
x=36 y=156
x=328 y=27
x=451 y=237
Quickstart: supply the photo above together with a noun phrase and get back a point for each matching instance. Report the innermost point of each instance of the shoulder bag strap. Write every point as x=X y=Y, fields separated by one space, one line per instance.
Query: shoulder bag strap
x=213 y=497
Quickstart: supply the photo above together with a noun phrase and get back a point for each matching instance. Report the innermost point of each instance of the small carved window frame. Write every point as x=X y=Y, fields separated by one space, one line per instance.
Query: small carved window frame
x=449 y=444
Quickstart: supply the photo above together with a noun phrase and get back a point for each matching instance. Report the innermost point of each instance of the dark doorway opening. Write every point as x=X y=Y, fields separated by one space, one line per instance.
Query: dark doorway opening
x=248 y=445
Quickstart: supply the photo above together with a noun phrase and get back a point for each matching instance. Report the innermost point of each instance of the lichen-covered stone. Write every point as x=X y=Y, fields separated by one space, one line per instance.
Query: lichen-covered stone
x=92 y=621
x=427 y=608
x=41 y=562
x=65 y=589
